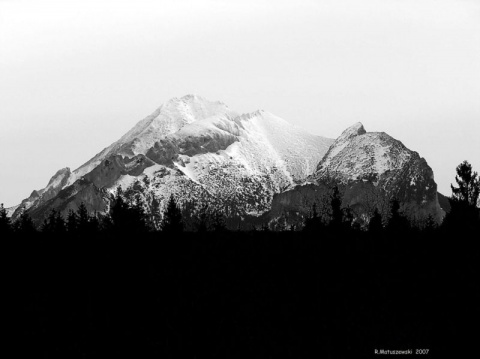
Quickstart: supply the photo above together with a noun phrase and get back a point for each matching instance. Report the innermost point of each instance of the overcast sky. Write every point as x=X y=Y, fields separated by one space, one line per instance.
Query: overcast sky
x=76 y=75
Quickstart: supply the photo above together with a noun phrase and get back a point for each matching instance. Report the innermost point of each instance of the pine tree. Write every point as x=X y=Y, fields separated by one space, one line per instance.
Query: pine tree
x=172 y=218
x=25 y=225
x=60 y=226
x=468 y=189
x=48 y=225
x=126 y=217
x=397 y=223
x=83 y=219
x=464 y=213
x=5 y=222
x=72 y=222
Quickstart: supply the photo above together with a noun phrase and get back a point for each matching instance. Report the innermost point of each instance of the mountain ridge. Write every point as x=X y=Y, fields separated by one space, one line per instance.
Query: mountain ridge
x=191 y=141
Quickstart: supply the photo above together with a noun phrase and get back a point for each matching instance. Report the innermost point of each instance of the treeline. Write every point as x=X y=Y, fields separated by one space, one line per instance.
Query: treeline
x=218 y=293
x=126 y=215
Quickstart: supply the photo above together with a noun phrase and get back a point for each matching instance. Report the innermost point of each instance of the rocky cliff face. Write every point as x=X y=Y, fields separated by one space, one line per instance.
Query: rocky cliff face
x=371 y=168
x=199 y=151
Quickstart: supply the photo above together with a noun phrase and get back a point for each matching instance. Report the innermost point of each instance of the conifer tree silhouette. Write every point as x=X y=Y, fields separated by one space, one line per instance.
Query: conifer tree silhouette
x=5 y=222
x=72 y=222
x=336 y=205
x=375 y=225
x=49 y=223
x=468 y=189
x=172 y=217
x=126 y=217
x=83 y=226
x=24 y=224
x=313 y=222
x=464 y=213
x=397 y=223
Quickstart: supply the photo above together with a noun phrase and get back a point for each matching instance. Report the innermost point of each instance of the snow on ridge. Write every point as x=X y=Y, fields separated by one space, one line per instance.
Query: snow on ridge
x=357 y=153
x=167 y=119
x=259 y=144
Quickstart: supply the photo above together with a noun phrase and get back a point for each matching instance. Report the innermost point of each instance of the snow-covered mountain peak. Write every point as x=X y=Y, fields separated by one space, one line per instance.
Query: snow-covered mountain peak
x=167 y=119
x=197 y=150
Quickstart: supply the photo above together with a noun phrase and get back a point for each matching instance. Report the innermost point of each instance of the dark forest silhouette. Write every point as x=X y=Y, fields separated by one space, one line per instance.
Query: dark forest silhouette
x=127 y=216
x=93 y=285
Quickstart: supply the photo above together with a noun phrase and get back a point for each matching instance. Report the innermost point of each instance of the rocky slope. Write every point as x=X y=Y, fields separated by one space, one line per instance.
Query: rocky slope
x=371 y=168
x=197 y=150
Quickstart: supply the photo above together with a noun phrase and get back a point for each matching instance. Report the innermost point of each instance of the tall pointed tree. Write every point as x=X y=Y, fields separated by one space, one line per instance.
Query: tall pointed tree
x=172 y=217
x=72 y=222
x=24 y=224
x=5 y=222
x=397 y=223
x=468 y=189
x=464 y=213
x=83 y=225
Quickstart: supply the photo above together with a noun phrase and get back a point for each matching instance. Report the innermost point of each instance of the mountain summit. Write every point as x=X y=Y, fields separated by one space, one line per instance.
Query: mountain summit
x=198 y=150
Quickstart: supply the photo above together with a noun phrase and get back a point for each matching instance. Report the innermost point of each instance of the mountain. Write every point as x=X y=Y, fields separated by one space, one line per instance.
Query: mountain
x=198 y=150
x=371 y=168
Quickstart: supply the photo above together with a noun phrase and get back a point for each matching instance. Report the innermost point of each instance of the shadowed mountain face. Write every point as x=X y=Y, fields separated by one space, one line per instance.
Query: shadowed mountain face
x=197 y=150
x=371 y=168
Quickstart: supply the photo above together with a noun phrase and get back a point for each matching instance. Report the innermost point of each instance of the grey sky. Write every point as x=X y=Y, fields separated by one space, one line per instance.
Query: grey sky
x=76 y=75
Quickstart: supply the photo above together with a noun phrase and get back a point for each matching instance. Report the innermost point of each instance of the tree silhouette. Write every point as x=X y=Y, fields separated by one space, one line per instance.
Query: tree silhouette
x=313 y=222
x=126 y=217
x=83 y=226
x=464 y=213
x=468 y=189
x=375 y=225
x=24 y=225
x=49 y=224
x=397 y=223
x=172 y=217
x=72 y=222
x=5 y=222
x=203 y=220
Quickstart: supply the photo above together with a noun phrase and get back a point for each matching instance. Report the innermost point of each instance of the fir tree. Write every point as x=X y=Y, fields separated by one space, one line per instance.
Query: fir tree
x=83 y=226
x=397 y=223
x=72 y=222
x=468 y=189
x=172 y=217
x=464 y=213
x=49 y=223
x=5 y=222
x=126 y=217
x=25 y=225
x=312 y=222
